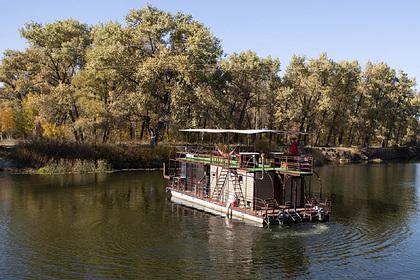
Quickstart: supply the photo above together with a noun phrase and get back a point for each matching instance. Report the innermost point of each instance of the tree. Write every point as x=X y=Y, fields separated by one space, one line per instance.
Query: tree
x=345 y=80
x=158 y=72
x=175 y=50
x=152 y=67
x=250 y=82
x=398 y=109
x=105 y=83
x=378 y=82
x=306 y=87
x=7 y=123
x=56 y=53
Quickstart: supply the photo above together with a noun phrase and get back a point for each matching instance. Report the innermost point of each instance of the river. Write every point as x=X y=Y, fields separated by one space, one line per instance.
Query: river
x=121 y=226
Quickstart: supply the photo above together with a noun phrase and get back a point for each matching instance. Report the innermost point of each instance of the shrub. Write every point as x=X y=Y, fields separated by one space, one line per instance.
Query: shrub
x=74 y=166
x=39 y=154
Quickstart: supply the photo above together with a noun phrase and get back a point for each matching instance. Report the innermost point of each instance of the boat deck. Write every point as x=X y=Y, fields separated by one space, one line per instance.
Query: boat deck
x=234 y=164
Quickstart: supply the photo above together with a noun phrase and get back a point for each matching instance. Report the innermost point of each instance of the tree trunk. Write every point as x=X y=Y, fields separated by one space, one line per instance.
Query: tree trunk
x=398 y=136
x=350 y=138
x=106 y=133
x=242 y=114
x=155 y=133
x=132 y=131
x=81 y=135
x=75 y=131
x=232 y=110
x=318 y=135
x=340 y=138
x=145 y=126
x=78 y=132
x=366 y=140
x=388 y=135
x=305 y=137
x=331 y=129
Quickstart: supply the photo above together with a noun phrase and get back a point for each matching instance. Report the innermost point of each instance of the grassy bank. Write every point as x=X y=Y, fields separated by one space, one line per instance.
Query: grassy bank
x=64 y=166
x=76 y=157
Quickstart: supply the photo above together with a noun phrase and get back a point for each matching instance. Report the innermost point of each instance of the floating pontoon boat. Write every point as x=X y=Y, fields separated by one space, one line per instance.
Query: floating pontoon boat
x=263 y=189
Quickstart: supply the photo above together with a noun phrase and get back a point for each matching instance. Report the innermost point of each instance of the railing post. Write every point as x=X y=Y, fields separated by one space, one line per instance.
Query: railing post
x=312 y=165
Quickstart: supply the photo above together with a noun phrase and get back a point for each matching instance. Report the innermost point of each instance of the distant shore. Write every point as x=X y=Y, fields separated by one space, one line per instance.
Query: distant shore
x=64 y=158
x=342 y=155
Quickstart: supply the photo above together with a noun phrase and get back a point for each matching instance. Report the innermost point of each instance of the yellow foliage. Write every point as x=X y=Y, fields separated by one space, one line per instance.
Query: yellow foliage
x=7 y=120
x=51 y=130
x=25 y=116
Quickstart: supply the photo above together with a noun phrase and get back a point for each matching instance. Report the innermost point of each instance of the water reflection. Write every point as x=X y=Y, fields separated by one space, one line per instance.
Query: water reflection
x=121 y=226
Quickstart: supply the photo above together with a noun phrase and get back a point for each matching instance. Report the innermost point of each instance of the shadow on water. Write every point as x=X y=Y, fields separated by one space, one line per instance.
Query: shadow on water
x=121 y=226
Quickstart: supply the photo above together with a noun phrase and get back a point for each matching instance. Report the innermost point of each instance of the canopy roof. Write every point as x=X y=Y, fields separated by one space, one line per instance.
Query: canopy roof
x=240 y=131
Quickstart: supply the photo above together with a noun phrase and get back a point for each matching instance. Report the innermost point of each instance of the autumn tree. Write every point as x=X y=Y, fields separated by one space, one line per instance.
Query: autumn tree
x=250 y=84
x=56 y=53
x=175 y=48
x=157 y=72
x=306 y=85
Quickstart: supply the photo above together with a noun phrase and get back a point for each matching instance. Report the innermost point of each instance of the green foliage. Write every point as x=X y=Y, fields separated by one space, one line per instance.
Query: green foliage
x=341 y=104
x=143 y=79
x=74 y=166
x=250 y=80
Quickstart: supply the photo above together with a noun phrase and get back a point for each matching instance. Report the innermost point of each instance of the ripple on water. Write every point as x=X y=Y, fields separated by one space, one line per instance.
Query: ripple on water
x=346 y=244
x=70 y=233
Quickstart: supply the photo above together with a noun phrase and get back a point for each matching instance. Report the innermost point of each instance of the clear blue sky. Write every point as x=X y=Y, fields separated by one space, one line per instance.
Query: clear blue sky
x=376 y=30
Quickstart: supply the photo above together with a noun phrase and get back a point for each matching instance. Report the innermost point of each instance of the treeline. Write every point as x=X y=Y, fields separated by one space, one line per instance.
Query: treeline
x=143 y=80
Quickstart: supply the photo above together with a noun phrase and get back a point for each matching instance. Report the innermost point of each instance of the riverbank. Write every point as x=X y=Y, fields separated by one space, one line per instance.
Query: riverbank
x=53 y=157
x=359 y=155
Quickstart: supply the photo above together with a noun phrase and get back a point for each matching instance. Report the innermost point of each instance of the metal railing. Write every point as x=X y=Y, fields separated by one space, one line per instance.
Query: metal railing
x=196 y=187
x=303 y=163
x=229 y=162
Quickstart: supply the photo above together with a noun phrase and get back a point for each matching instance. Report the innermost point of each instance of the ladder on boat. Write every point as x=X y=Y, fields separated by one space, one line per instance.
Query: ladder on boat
x=238 y=189
x=294 y=215
x=220 y=184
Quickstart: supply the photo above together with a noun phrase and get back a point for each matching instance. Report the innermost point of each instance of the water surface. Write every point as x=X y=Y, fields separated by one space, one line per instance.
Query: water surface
x=121 y=226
